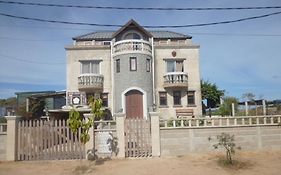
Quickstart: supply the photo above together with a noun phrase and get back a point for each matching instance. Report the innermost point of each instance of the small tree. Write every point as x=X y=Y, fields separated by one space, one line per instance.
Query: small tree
x=211 y=93
x=76 y=122
x=226 y=141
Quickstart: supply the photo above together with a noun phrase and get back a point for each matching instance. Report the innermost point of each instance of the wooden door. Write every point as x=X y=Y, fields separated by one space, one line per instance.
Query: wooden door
x=134 y=104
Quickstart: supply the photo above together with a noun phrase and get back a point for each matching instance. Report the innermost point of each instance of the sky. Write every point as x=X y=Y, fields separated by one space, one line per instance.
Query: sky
x=239 y=57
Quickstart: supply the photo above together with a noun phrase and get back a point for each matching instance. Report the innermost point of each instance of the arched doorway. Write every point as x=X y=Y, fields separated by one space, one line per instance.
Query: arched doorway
x=134 y=104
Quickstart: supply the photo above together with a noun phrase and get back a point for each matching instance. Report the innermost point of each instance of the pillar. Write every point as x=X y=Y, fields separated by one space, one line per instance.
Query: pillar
x=155 y=134
x=12 y=139
x=120 y=130
x=246 y=108
x=263 y=107
x=90 y=145
x=232 y=109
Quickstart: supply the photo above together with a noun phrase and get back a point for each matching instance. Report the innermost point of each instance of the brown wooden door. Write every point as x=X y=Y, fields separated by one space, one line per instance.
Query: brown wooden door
x=134 y=104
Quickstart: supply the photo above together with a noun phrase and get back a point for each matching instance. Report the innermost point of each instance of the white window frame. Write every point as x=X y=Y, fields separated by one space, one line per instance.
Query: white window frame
x=91 y=62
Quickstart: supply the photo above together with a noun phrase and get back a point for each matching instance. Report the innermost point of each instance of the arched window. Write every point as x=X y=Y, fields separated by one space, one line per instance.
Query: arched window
x=132 y=36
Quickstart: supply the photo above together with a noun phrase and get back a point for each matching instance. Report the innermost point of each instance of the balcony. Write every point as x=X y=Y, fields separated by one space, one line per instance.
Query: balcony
x=176 y=80
x=88 y=82
x=132 y=46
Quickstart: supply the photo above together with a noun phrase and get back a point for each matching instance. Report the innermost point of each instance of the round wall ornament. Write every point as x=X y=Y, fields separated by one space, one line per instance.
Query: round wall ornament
x=174 y=53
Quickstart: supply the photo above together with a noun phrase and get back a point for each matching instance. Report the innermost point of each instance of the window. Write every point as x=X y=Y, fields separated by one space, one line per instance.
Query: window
x=104 y=98
x=133 y=63
x=106 y=43
x=177 y=97
x=132 y=36
x=90 y=67
x=174 y=66
x=118 y=65
x=191 y=97
x=148 y=65
x=163 y=98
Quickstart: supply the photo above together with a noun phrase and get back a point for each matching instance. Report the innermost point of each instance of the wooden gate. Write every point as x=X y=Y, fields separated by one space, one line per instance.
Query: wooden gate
x=48 y=140
x=137 y=138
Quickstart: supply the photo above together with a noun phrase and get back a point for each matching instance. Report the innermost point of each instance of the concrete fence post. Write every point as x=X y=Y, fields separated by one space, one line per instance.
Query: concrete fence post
x=12 y=138
x=155 y=134
x=120 y=131
x=233 y=109
x=246 y=108
x=90 y=145
x=263 y=107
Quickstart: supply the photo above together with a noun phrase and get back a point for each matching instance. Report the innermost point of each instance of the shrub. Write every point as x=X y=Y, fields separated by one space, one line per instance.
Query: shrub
x=226 y=141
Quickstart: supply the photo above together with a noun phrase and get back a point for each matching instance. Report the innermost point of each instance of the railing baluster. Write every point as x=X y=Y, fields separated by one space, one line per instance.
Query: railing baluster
x=264 y=120
x=250 y=121
x=174 y=123
x=182 y=123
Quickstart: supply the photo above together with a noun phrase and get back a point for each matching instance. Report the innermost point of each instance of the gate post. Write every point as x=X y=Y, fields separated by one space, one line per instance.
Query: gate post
x=90 y=145
x=12 y=138
x=155 y=134
x=120 y=131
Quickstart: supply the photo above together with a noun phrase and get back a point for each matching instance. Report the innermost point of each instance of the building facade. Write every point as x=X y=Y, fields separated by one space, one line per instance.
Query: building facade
x=135 y=71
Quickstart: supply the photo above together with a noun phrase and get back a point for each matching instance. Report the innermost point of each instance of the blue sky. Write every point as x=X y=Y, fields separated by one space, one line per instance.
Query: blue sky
x=237 y=63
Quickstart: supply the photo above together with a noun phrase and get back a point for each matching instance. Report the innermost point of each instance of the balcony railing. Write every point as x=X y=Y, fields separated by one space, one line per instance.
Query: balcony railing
x=132 y=46
x=176 y=79
x=90 y=82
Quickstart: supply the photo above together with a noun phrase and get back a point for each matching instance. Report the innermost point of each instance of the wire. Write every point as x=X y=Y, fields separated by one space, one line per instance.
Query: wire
x=33 y=40
x=88 y=29
x=237 y=34
x=141 y=8
x=28 y=61
x=146 y=26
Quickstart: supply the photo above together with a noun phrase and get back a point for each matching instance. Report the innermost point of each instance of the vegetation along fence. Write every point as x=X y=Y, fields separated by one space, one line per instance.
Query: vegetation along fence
x=48 y=140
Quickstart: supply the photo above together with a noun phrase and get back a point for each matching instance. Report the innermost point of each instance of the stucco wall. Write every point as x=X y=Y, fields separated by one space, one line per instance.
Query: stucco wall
x=183 y=141
x=126 y=79
x=191 y=65
x=76 y=53
x=3 y=138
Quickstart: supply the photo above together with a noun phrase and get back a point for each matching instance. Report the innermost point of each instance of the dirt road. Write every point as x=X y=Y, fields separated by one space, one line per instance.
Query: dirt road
x=255 y=163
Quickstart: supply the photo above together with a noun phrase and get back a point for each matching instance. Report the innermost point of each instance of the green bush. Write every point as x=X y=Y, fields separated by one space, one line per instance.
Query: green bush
x=3 y=120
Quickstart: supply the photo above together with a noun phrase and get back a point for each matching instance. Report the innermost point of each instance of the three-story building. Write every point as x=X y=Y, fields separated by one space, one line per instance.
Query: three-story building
x=135 y=71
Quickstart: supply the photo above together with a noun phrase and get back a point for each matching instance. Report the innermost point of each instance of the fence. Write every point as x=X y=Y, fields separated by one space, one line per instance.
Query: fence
x=48 y=140
x=221 y=122
x=182 y=136
x=137 y=138
x=105 y=138
x=3 y=137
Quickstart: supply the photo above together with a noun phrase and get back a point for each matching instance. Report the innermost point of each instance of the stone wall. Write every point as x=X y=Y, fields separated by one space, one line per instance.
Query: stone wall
x=3 y=138
x=175 y=141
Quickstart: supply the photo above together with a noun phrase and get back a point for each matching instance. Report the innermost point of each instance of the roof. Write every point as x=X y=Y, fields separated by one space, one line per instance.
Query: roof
x=108 y=35
x=131 y=23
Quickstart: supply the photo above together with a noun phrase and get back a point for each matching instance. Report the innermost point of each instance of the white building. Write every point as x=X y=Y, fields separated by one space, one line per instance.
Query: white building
x=134 y=71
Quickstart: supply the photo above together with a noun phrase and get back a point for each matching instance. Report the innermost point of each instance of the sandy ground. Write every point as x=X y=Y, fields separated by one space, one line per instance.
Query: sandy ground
x=255 y=163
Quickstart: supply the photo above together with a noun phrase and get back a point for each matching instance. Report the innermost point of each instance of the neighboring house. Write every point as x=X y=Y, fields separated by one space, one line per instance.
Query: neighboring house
x=135 y=71
x=53 y=99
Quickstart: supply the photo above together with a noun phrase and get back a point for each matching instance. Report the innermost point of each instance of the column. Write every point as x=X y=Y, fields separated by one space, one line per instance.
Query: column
x=263 y=107
x=120 y=130
x=232 y=109
x=90 y=145
x=246 y=108
x=155 y=134
x=12 y=139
